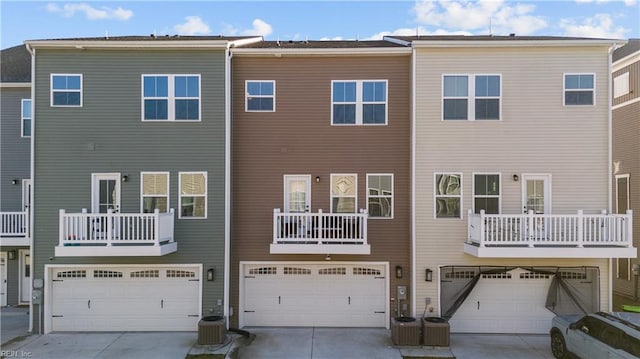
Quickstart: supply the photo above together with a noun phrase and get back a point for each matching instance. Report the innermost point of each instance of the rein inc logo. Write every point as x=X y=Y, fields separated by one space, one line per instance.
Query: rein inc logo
x=15 y=354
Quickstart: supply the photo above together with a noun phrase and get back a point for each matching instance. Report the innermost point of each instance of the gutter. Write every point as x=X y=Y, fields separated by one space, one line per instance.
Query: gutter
x=31 y=175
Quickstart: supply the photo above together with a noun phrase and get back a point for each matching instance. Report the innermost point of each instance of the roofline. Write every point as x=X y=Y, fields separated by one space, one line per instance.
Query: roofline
x=138 y=44
x=321 y=51
x=516 y=43
x=626 y=61
x=15 y=84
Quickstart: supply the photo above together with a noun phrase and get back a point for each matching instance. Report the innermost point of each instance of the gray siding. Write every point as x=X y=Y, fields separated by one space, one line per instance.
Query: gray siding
x=15 y=151
x=107 y=135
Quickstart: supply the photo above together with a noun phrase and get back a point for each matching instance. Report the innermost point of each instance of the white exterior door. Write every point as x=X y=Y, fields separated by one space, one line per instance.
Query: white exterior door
x=105 y=192
x=26 y=194
x=111 y=298
x=25 y=276
x=297 y=193
x=3 y=279
x=536 y=193
x=512 y=302
x=308 y=295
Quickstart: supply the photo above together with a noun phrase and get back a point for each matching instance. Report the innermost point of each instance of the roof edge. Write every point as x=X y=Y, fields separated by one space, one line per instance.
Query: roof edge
x=516 y=43
x=323 y=51
x=102 y=44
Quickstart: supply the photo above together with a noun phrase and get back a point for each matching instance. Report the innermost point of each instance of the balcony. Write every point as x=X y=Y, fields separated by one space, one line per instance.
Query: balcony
x=115 y=234
x=320 y=233
x=550 y=235
x=14 y=228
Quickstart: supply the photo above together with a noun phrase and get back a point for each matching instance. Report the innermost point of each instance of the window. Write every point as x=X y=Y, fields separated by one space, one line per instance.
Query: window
x=579 y=89
x=66 y=90
x=621 y=85
x=448 y=195
x=380 y=195
x=359 y=102
x=623 y=268
x=171 y=97
x=486 y=193
x=26 y=118
x=155 y=191
x=471 y=97
x=260 y=96
x=193 y=194
x=344 y=189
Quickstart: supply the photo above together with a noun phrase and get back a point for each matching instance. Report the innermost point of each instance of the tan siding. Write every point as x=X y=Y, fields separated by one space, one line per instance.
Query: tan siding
x=634 y=82
x=537 y=134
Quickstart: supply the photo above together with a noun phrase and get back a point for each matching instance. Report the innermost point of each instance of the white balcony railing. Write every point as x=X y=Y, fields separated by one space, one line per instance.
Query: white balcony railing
x=127 y=231
x=550 y=230
x=14 y=224
x=320 y=232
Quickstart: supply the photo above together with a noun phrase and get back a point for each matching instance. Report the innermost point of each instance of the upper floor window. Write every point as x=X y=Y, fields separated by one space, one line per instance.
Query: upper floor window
x=154 y=191
x=471 y=97
x=193 y=194
x=621 y=85
x=486 y=193
x=171 y=97
x=579 y=89
x=380 y=195
x=359 y=102
x=260 y=96
x=448 y=195
x=26 y=118
x=66 y=90
x=344 y=190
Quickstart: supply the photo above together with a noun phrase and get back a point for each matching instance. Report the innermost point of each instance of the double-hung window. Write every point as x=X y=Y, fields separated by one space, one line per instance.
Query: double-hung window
x=471 y=97
x=486 y=193
x=171 y=97
x=66 y=90
x=579 y=89
x=359 y=102
x=448 y=195
x=260 y=96
x=380 y=195
x=621 y=85
x=193 y=194
x=25 y=118
x=155 y=191
x=344 y=190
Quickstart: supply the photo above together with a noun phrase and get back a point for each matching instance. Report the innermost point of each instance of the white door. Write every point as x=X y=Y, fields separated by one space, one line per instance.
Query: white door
x=26 y=194
x=307 y=295
x=3 y=279
x=105 y=192
x=25 y=276
x=125 y=298
x=297 y=193
x=536 y=193
x=512 y=302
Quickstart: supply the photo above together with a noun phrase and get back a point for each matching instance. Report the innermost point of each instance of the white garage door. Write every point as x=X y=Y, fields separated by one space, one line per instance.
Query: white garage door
x=125 y=299
x=512 y=302
x=326 y=295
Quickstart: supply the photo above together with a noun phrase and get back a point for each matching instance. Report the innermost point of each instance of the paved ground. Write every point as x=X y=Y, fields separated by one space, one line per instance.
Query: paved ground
x=14 y=323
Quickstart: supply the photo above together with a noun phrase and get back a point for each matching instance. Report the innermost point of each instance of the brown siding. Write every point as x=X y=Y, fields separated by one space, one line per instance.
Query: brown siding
x=298 y=139
x=634 y=82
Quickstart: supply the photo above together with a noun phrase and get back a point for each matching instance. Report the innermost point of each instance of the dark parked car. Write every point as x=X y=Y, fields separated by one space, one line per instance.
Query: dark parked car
x=597 y=335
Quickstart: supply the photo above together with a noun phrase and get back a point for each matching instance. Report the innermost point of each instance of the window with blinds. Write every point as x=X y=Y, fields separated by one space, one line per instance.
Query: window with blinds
x=155 y=191
x=193 y=195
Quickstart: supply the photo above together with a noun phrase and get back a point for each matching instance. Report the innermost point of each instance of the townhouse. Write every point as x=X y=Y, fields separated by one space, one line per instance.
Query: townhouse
x=130 y=182
x=511 y=156
x=15 y=180
x=626 y=156
x=321 y=200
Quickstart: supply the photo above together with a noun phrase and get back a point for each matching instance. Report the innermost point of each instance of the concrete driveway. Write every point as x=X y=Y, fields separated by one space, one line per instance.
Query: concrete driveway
x=14 y=323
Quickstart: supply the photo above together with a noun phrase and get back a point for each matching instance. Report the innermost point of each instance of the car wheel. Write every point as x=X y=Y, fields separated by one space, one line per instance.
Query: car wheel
x=558 y=346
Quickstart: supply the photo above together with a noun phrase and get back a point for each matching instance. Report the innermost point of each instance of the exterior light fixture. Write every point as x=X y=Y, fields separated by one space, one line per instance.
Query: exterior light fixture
x=210 y=274
x=428 y=275
x=317 y=179
x=398 y=271
x=516 y=178
x=125 y=178
x=328 y=257
x=11 y=255
x=15 y=181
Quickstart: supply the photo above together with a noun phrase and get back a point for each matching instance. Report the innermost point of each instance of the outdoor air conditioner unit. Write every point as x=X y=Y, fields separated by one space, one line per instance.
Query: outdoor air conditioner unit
x=211 y=330
x=405 y=331
x=435 y=331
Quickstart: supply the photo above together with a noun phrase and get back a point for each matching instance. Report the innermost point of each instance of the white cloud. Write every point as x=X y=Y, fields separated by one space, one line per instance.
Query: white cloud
x=482 y=16
x=193 y=26
x=412 y=32
x=260 y=28
x=91 y=13
x=600 y=25
x=336 y=38
x=626 y=2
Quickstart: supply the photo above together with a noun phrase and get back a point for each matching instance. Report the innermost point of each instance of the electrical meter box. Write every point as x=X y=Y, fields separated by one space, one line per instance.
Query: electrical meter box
x=402 y=292
x=36 y=296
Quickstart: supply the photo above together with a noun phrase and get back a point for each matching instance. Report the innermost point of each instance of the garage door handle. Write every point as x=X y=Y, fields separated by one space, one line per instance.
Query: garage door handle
x=478 y=305
x=279 y=299
x=89 y=304
x=162 y=303
x=349 y=300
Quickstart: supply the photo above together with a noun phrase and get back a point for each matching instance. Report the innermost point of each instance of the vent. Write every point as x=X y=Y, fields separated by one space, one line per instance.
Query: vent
x=152 y=273
x=297 y=271
x=497 y=276
x=174 y=273
x=333 y=271
x=366 y=271
x=72 y=274
x=263 y=270
x=106 y=274
x=573 y=275
x=460 y=275
x=531 y=275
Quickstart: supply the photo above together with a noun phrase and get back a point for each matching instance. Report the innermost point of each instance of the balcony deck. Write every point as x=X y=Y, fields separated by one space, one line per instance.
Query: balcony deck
x=550 y=235
x=320 y=233
x=14 y=228
x=115 y=234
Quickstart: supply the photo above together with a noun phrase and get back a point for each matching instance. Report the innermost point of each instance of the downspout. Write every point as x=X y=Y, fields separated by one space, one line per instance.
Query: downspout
x=31 y=169
x=227 y=179
x=413 y=182
x=610 y=160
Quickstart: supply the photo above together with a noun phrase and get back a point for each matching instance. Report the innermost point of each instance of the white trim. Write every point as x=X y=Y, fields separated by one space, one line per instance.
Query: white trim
x=621 y=85
x=21 y=254
x=23 y=118
x=394 y=40
x=435 y=191
x=285 y=182
x=4 y=298
x=473 y=189
x=487 y=43
x=565 y=90
x=142 y=195
x=355 y=195
x=278 y=52
x=471 y=97
x=14 y=84
x=550 y=252
x=392 y=195
x=227 y=184
x=413 y=183
x=51 y=90
x=180 y=195
x=95 y=195
x=116 y=251
x=135 y=44
x=547 y=190
x=626 y=103
x=170 y=98
x=360 y=103
x=246 y=95
x=26 y=184
x=32 y=167
x=47 y=301
x=626 y=61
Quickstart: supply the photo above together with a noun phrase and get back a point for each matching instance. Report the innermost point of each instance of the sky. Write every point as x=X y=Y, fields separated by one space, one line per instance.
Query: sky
x=317 y=20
